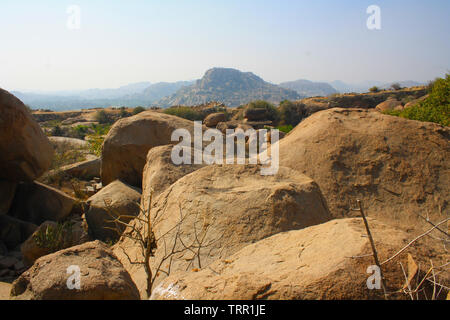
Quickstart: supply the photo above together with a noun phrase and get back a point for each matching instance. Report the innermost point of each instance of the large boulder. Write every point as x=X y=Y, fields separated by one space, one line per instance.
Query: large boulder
x=397 y=167
x=218 y=209
x=416 y=101
x=25 y=149
x=83 y=170
x=223 y=126
x=51 y=237
x=160 y=171
x=388 y=105
x=115 y=199
x=66 y=142
x=126 y=146
x=214 y=118
x=102 y=276
x=328 y=261
x=7 y=191
x=14 y=231
x=36 y=202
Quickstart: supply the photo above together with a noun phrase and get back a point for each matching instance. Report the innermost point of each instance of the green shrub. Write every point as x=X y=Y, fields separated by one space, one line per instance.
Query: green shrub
x=374 y=89
x=285 y=128
x=435 y=108
x=291 y=113
x=430 y=85
x=68 y=157
x=396 y=86
x=79 y=132
x=54 y=238
x=138 y=110
x=96 y=140
x=124 y=113
x=271 y=111
x=95 y=144
x=57 y=131
x=102 y=117
x=101 y=129
x=185 y=112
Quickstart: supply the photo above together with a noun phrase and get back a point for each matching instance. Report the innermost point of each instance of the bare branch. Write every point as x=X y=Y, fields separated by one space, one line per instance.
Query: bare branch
x=414 y=240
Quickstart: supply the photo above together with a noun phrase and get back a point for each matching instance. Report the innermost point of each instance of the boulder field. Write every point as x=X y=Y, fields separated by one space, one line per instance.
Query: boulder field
x=226 y=231
x=126 y=146
x=219 y=209
x=327 y=261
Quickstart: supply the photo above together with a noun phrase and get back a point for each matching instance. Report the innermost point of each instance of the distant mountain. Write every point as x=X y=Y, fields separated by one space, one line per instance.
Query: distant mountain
x=309 y=89
x=114 y=93
x=344 y=87
x=132 y=95
x=97 y=93
x=361 y=87
x=404 y=84
x=229 y=86
x=55 y=102
x=160 y=90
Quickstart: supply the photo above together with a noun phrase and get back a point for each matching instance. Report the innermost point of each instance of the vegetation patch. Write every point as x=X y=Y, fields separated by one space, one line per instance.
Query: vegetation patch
x=96 y=139
x=65 y=155
x=291 y=113
x=285 y=128
x=188 y=113
x=435 y=108
x=271 y=110
x=55 y=238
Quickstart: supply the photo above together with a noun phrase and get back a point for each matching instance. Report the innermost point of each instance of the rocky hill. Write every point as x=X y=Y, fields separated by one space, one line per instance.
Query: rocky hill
x=229 y=86
x=308 y=88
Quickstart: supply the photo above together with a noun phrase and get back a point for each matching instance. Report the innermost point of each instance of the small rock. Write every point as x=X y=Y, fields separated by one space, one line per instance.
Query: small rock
x=81 y=170
x=213 y=119
x=90 y=191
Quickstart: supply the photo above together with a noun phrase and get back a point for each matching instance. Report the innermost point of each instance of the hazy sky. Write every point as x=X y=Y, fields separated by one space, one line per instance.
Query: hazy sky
x=121 y=42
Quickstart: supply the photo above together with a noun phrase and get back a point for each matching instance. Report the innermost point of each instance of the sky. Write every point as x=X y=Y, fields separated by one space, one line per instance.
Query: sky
x=121 y=42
